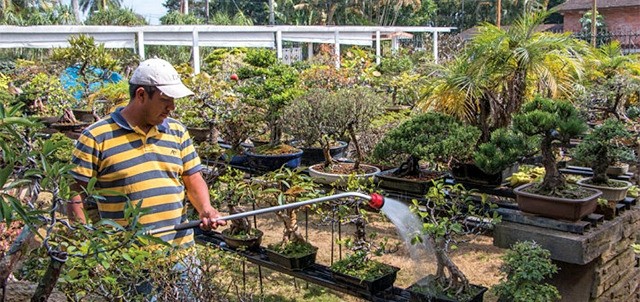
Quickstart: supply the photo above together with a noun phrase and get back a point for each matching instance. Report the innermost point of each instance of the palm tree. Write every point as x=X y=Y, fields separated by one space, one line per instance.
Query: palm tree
x=93 y=5
x=76 y=9
x=502 y=68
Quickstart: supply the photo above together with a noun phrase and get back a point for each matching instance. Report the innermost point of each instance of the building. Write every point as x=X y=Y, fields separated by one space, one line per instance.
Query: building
x=622 y=19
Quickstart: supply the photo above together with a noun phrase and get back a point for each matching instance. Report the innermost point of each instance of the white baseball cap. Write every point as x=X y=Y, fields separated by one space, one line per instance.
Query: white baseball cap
x=161 y=74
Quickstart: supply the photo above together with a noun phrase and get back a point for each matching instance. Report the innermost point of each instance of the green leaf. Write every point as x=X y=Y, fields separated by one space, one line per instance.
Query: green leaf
x=111 y=223
x=4 y=173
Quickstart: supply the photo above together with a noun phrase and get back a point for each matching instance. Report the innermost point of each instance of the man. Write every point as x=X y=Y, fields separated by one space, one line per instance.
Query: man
x=140 y=152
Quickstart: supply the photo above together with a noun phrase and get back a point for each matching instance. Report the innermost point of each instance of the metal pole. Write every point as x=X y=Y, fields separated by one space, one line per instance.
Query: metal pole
x=196 y=52
x=378 y=51
x=195 y=223
x=435 y=47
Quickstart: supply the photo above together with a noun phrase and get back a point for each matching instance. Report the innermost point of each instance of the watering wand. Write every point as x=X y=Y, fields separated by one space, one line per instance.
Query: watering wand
x=376 y=201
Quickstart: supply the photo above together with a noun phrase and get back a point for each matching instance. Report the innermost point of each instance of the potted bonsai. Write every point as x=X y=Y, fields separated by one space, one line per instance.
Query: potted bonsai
x=445 y=214
x=233 y=191
x=359 y=268
x=45 y=98
x=270 y=86
x=313 y=120
x=89 y=66
x=527 y=265
x=360 y=106
x=496 y=160
x=554 y=123
x=432 y=137
x=288 y=186
x=600 y=149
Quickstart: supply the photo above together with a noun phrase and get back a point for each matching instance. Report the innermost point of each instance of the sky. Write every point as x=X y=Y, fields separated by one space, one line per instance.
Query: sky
x=151 y=10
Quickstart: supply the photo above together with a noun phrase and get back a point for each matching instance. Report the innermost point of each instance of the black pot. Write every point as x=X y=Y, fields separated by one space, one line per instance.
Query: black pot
x=312 y=156
x=199 y=134
x=417 y=295
x=373 y=287
x=387 y=181
x=470 y=173
x=295 y=263
x=251 y=243
x=273 y=162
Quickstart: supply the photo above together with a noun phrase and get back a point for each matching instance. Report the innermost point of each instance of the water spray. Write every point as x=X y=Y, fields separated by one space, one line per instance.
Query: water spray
x=376 y=201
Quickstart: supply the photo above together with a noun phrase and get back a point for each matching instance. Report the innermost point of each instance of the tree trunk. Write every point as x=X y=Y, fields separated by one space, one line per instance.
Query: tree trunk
x=359 y=155
x=600 y=169
x=456 y=279
x=76 y=11
x=50 y=278
x=553 y=180
x=18 y=248
x=410 y=167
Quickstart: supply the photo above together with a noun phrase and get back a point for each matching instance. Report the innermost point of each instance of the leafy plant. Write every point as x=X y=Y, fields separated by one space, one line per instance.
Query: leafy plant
x=45 y=96
x=502 y=150
x=287 y=186
x=527 y=265
x=602 y=148
x=433 y=137
x=554 y=122
x=269 y=85
x=234 y=191
x=447 y=209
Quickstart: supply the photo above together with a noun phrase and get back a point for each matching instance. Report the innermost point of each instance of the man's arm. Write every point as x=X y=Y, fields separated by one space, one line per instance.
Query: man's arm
x=75 y=208
x=198 y=194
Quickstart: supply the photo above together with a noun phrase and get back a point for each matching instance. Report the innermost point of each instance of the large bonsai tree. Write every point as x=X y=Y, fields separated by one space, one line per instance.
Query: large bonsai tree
x=602 y=148
x=269 y=85
x=554 y=123
x=433 y=137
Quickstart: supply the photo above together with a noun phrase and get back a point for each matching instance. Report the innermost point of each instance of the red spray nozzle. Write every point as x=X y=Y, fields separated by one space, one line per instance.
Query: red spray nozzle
x=377 y=201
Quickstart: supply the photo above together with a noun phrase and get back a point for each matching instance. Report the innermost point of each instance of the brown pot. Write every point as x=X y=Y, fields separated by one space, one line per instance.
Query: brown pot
x=618 y=170
x=555 y=207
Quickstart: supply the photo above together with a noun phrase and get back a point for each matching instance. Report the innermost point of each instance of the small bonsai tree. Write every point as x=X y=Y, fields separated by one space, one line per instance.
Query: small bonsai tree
x=269 y=85
x=602 y=148
x=287 y=186
x=446 y=225
x=503 y=149
x=554 y=123
x=233 y=191
x=526 y=266
x=434 y=137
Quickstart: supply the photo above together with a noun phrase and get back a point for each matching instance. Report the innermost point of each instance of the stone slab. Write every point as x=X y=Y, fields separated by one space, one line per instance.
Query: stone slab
x=567 y=247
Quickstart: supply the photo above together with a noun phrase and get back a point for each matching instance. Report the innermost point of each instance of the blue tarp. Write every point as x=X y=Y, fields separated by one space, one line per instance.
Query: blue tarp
x=71 y=83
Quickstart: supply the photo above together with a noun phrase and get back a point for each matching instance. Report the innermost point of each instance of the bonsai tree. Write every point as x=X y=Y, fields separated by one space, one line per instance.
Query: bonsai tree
x=447 y=209
x=602 y=148
x=288 y=186
x=503 y=149
x=554 y=123
x=269 y=85
x=45 y=96
x=363 y=246
x=92 y=63
x=434 y=137
x=526 y=266
x=233 y=191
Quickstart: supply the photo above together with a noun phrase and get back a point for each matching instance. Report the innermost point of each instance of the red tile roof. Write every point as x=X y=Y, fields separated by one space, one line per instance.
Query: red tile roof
x=586 y=4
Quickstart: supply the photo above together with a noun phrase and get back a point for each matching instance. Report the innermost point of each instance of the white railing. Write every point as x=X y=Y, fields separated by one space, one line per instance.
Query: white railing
x=212 y=36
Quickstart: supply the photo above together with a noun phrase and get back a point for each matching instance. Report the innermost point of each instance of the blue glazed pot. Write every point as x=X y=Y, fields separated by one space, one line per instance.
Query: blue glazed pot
x=273 y=162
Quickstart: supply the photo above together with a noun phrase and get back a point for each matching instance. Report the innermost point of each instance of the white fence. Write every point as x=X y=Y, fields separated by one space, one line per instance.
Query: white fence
x=213 y=36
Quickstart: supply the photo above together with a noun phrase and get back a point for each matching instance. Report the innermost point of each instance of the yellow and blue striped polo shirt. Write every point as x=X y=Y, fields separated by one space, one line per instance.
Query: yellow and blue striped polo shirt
x=141 y=166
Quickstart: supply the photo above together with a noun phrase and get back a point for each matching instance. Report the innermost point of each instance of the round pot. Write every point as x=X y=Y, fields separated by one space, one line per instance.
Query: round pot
x=339 y=180
x=198 y=134
x=609 y=193
x=83 y=115
x=250 y=243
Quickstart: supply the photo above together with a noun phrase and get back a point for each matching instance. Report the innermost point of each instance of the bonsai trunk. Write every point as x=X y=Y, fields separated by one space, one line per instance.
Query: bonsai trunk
x=17 y=249
x=600 y=169
x=290 y=219
x=359 y=156
x=553 y=180
x=410 y=167
x=50 y=278
x=326 y=152
x=456 y=279
x=276 y=133
x=238 y=225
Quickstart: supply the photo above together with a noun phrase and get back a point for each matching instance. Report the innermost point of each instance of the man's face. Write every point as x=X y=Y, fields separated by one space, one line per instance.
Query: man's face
x=157 y=107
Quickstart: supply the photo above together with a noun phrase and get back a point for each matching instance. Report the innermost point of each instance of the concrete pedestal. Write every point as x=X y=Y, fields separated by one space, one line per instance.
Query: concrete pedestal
x=596 y=266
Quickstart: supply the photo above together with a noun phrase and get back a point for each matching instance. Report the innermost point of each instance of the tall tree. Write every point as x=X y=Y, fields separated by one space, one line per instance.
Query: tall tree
x=89 y=6
x=502 y=68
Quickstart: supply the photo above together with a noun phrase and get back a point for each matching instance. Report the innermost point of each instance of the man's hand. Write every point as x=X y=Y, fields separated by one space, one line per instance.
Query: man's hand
x=209 y=219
